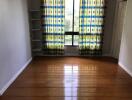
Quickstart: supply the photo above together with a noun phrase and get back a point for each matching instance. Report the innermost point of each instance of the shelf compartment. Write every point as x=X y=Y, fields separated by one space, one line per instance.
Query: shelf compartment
x=35 y=15
x=35 y=24
x=36 y=35
x=37 y=50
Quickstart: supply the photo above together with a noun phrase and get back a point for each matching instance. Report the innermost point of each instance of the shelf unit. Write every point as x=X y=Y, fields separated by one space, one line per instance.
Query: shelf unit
x=36 y=34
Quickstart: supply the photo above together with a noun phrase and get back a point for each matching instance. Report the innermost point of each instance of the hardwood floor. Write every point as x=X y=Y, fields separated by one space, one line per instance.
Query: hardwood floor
x=71 y=78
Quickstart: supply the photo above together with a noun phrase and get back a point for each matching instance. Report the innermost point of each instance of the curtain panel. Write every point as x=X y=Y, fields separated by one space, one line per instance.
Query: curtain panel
x=53 y=13
x=91 y=26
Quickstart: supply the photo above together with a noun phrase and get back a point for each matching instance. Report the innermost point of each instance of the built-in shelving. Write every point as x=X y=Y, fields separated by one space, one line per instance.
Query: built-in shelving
x=36 y=34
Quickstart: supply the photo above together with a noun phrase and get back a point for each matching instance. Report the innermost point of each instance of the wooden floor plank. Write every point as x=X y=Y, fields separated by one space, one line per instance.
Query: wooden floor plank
x=71 y=78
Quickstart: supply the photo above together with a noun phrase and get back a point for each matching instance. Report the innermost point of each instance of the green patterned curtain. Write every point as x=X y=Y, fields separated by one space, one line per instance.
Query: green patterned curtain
x=91 y=26
x=53 y=26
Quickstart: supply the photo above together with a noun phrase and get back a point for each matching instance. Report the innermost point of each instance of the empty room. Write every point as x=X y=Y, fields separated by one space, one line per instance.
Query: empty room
x=65 y=50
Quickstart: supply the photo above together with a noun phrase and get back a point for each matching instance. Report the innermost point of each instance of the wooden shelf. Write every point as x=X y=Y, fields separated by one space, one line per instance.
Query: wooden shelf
x=36 y=40
x=36 y=50
x=35 y=19
x=35 y=29
x=37 y=54
x=34 y=10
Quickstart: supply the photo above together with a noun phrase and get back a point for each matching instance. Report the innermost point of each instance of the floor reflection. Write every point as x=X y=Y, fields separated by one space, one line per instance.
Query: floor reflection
x=71 y=80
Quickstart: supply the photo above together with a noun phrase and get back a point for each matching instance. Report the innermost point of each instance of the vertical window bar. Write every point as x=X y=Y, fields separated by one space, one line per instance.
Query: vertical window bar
x=73 y=25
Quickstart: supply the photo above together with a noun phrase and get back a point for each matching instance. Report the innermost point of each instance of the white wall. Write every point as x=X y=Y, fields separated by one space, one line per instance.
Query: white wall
x=108 y=30
x=118 y=27
x=125 y=58
x=15 y=48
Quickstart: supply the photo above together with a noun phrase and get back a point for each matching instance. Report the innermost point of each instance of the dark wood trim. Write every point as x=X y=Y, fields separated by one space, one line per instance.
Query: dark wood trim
x=71 y=33
x=71 y=46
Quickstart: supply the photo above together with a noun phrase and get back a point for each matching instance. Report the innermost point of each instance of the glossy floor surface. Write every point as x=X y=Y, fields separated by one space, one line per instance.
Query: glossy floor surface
x=71 y=78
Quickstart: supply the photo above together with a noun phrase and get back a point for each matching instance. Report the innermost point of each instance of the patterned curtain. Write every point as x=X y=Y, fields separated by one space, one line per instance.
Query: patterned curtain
x=53 y=26
x=91 y=26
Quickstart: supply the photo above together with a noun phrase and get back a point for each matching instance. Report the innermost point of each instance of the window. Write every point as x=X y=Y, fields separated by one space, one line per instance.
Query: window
x=76 y=16
x=76 y=39
x=68 y=39
x=71 y=22
x=68 y=15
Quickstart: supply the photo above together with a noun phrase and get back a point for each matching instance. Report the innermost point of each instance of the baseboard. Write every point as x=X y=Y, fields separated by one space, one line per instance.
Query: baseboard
x=14 y=77
x=123 y=66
